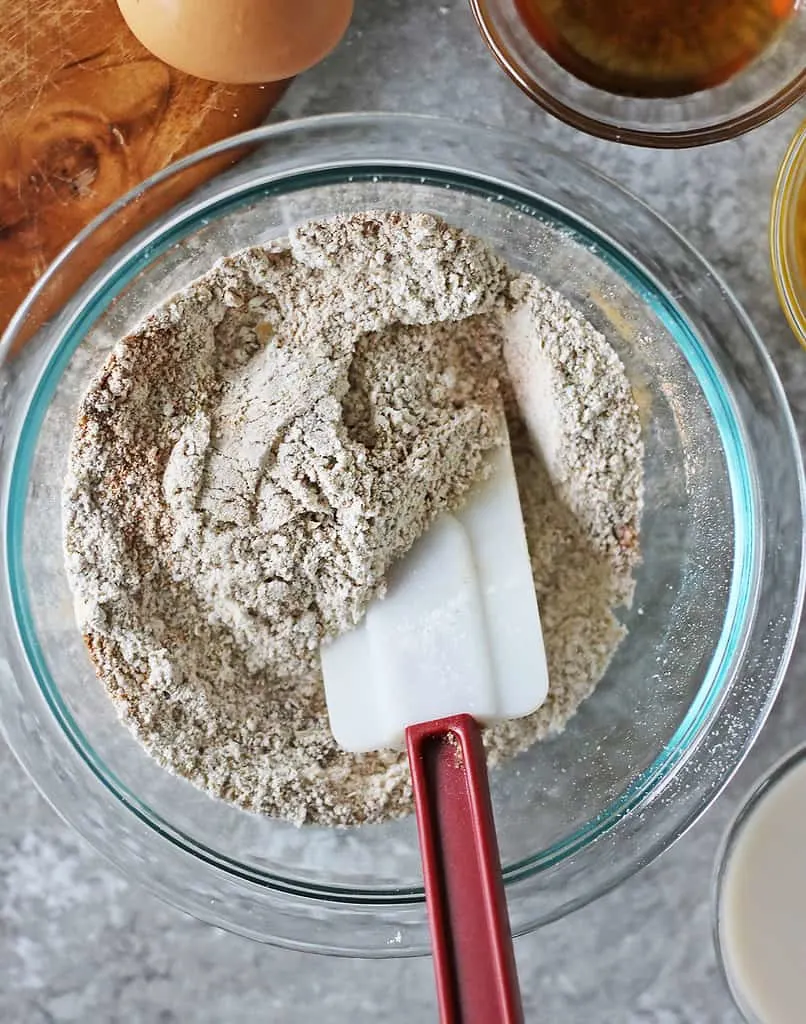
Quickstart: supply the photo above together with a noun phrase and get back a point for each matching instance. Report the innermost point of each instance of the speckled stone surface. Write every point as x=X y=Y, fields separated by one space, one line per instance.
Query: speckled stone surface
x=79 y=944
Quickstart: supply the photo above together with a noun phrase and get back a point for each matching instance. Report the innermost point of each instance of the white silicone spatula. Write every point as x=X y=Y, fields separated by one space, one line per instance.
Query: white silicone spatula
x=455 y=642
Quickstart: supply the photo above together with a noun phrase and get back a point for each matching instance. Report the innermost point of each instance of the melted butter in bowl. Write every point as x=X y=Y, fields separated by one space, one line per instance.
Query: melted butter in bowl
x=788 y=234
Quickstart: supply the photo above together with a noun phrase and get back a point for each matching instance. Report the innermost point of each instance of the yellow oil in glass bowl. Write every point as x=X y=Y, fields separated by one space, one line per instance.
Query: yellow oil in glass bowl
x=788 y=234
x=800 y=231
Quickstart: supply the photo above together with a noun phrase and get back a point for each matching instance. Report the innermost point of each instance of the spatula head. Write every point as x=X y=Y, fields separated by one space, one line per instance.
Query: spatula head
x=457 y=633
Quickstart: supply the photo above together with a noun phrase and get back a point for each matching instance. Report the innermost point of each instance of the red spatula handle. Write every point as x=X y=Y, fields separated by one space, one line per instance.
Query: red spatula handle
x=477 y=982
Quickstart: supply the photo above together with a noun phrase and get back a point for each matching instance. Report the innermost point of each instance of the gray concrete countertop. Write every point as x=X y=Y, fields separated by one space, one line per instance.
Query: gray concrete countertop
x=79 y=944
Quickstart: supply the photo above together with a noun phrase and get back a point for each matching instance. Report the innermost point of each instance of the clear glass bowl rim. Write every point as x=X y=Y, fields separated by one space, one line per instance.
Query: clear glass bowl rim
x=704 y=135
x=261 y=135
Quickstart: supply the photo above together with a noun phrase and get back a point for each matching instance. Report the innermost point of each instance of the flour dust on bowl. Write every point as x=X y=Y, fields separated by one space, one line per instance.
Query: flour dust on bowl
x=717 y=595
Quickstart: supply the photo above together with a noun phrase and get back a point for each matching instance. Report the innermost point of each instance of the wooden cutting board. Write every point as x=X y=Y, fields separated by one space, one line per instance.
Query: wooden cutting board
x=86 y=113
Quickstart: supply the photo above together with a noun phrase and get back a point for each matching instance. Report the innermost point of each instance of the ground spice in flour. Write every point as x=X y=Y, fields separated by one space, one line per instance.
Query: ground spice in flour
x=252 y=459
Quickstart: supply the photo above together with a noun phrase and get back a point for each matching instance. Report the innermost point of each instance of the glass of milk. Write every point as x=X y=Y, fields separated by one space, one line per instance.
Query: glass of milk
x=760 y=898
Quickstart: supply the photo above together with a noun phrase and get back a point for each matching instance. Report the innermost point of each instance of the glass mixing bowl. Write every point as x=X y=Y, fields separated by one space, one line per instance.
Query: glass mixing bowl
x=760 y=92
x=718 y=594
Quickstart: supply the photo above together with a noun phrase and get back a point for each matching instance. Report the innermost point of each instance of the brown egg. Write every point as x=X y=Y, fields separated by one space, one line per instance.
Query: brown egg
x=238 y=41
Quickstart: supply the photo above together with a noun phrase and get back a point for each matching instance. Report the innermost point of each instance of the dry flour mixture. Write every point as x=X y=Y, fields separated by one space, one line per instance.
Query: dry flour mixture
x=252 y=459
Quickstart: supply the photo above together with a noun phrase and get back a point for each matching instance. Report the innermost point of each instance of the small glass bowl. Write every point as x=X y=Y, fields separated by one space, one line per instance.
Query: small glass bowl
x=733 y=834
x=788 y=234
x=718 y=595
x=762 y=91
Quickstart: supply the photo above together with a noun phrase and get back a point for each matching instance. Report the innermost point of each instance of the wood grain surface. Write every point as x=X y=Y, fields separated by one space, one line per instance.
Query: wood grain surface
x=86 y=113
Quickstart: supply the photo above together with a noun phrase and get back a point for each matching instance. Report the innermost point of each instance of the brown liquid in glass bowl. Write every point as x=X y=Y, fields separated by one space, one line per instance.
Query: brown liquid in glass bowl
x=655 y=48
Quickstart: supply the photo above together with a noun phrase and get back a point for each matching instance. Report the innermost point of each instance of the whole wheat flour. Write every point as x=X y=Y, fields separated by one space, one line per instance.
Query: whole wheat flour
x=252 y=459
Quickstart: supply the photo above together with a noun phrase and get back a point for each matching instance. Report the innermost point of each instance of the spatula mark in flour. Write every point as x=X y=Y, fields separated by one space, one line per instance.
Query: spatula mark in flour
x=258 y=402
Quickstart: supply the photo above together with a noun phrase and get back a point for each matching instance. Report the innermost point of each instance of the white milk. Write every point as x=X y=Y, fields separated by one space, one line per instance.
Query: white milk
x=763 y=905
